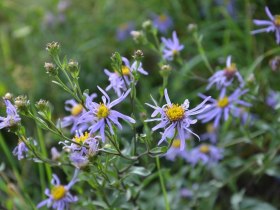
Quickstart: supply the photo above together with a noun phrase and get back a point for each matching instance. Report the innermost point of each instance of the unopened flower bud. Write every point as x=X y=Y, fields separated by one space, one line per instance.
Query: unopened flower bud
x=21 y=102
x=53 y=48
x=137 y=36
x=165 y=70
x=147 y=25
x=192 y=27
x=73 y=67
x=42 y=104
x=8 y=96
x=138 y=55
x=50 y=69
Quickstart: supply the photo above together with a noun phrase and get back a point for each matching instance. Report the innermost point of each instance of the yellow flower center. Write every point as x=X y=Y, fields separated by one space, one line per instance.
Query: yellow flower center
x=103 y=111
x=204 y=148
x=210 y=128
x=175 y=52
x=277 y=20
x=223 y=102
x=125 y=70
x=175 y=112
x=81 y=139
x=77 y=109
x=162 y=18
x=176 y=143
x=58 y=192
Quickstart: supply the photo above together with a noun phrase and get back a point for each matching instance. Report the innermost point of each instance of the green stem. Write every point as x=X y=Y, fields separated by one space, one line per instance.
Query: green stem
x=167 y=207
x=44 y=152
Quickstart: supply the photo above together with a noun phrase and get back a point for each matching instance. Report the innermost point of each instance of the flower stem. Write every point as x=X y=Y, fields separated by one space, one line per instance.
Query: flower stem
x=167 y=207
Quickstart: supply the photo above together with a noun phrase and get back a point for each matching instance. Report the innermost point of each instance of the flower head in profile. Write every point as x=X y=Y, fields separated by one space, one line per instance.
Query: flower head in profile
x=86 y=144
x=20 y=150
x=211 y=134
x=12 y=117
x=225 y=77
x=59 y=197
x=272 y=25
x=223 y=107
x=76 y=109
x=172 y=47
x=120 y=82
x=175 y=118
x=206 y=154
x=123 y=31
x=175 y=151
x=162 y=22
x=100 y=115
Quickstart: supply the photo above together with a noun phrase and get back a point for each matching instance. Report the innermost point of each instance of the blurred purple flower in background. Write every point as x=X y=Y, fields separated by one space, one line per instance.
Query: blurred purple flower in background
x=76 y=111
x=223 y=107
x=224 y=77
x=206 y=154
x=123 y=31
x=175 y=151
x=211 y=134
x=272 y=99
x=272 y=25
x=162 y=22
x=172 y=47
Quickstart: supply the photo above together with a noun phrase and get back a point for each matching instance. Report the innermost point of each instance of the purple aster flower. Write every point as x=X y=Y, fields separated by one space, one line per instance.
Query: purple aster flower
x=12 y=116
x=272 y=25
x=20 y=150
x=272 y=99
x=89 y=144
x=174 y=117
x=224 y=77
x=175 y=151
x=223 y=107
x=59 y=195
x=123 y=31
x=162 y=22
x=186 y=193
x=78 y=160
x=76 y=111
x=211 y=134
x=119 y=82
x=206 y=154
x=101 y=114
x=172 y=47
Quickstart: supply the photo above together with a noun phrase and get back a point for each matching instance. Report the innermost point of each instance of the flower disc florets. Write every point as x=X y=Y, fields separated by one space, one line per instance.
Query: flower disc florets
x=103 y=111
x=58 y=192
x=174 y=112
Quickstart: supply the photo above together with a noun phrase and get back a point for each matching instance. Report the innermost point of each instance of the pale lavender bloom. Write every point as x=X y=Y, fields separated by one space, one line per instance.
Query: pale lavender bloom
x=175 y=118
x=119 y=82
x=12 y=116
x=63 y=5
x=20 y=150
x=175 y=151
x=59 y=196
x=211 y=134
x=55 y=154
x=172 y=47
x=224 y=77
x=206 y=154
x=162 y=22
x=272 y=99
x=270 y=25
x=223 y=107
x=123 y=31
x=186 y=193
x=76 y=110
x=78 y=160
x=101 y=114
x=88 y=144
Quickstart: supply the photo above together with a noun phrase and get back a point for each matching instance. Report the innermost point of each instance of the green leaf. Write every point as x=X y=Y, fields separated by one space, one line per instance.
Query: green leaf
x=139 y=171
